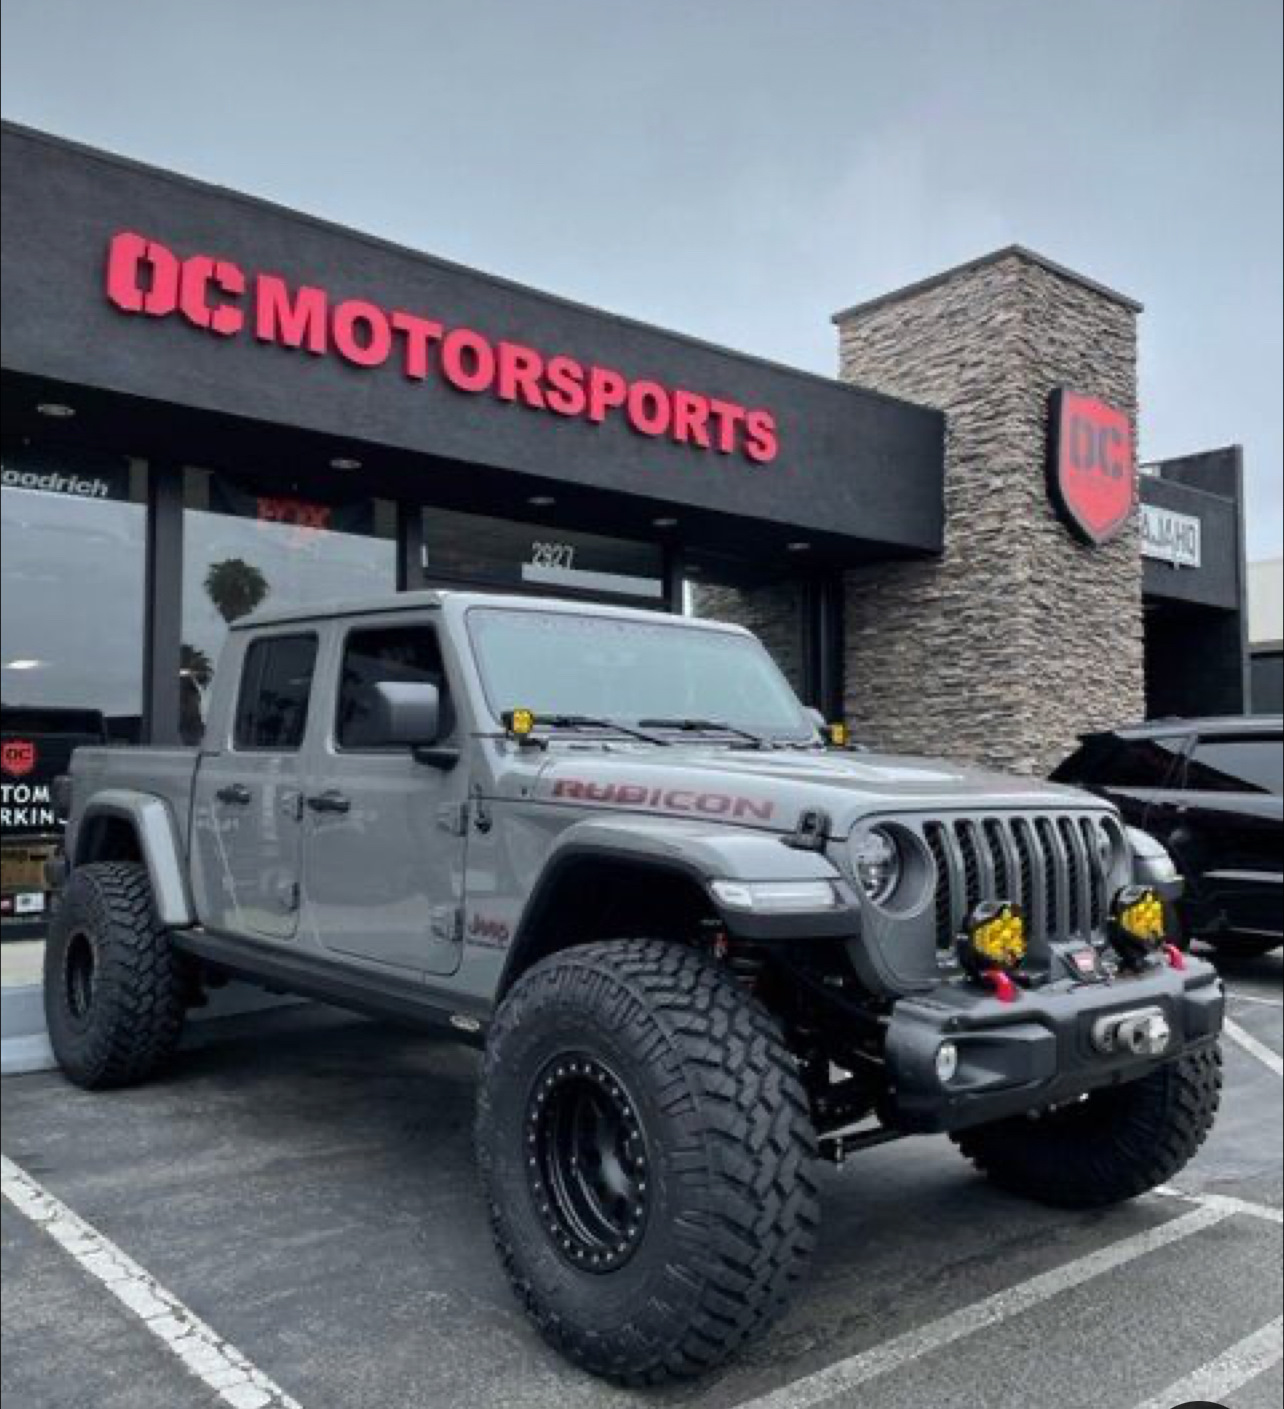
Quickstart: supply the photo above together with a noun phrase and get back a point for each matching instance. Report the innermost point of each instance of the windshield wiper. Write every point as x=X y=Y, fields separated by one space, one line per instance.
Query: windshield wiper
x=589 y=721
x=708 y=726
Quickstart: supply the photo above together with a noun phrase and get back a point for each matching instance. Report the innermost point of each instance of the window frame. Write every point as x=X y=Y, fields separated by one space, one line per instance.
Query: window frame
x=267 y=640
x=449 y=692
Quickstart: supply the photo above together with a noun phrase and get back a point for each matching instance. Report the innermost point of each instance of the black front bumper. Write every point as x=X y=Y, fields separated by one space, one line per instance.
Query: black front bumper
x=1034 y=1052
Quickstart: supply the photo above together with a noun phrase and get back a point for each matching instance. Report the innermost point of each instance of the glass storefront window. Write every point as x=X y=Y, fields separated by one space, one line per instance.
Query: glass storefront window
x=480 y=551
x=249 y=549
x=72 y=547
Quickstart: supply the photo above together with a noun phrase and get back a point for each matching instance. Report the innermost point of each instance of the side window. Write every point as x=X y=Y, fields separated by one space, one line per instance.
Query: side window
x=1141 y=763
x=276 y=683
x=410 y=654
x=1237 y=766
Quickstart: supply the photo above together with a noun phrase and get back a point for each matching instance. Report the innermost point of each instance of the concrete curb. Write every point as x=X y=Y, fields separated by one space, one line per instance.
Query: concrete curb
x=24 y=1043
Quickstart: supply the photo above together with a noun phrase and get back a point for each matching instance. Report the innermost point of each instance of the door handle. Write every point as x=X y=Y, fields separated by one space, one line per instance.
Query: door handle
x=236 y=793
x=331 y=801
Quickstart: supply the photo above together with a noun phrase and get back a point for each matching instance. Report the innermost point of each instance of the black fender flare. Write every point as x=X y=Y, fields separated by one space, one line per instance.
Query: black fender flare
x=697 y=853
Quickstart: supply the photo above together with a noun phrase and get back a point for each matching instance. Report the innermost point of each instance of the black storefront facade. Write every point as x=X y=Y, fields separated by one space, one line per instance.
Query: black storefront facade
x=212 y=403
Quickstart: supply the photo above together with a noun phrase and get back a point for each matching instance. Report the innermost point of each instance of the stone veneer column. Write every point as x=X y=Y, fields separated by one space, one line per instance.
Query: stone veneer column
x=1021 y=636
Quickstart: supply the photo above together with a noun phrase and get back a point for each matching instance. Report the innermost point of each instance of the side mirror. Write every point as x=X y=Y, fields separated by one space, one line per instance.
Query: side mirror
x=408 y=713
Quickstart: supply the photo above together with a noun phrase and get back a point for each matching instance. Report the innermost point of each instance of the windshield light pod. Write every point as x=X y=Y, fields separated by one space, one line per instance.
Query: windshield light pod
x=993 y=938
x=519 y=722
x=1138 y=924
x=776 y=897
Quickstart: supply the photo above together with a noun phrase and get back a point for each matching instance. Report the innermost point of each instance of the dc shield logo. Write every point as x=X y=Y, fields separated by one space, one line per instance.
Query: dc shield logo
x=1092 y=476
x=17 y=757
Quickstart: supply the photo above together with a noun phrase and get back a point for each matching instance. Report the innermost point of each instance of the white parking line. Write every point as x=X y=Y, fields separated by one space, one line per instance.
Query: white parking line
x=1245 y=1039
x=1232 y=1205
x=836 y=1379
x=1220 y=1378
x=1254 y=998
x=197 y=1348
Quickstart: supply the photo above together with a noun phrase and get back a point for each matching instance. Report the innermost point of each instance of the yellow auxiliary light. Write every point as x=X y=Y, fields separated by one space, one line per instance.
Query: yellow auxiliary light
x=995 y=937
x=839 y=734
x=1140 y=925
x=520 y=722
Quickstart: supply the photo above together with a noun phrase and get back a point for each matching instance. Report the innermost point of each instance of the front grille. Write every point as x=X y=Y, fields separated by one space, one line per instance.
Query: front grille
x=1056 y=867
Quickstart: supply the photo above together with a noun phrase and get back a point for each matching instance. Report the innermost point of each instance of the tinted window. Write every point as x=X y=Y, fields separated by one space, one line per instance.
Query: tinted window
x=1122 y=763
x=1237 y=766
x=275 y=686
x=402 y=653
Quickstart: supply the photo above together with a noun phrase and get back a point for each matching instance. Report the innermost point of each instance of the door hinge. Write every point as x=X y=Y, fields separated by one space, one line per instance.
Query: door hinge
x=452 y=817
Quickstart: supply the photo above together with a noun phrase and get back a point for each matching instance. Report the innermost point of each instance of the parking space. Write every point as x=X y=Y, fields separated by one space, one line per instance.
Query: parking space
x=303 y=1183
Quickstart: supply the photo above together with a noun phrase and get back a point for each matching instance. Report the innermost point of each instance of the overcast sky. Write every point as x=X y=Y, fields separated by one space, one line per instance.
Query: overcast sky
x=739 y=169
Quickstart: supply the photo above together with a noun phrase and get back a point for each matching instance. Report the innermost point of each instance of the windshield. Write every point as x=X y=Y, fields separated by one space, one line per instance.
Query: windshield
x=560 y=663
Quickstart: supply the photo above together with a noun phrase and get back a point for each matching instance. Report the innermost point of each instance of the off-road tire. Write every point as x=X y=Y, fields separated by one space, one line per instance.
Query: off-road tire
x=728 y=1139
x=1119 y=1143
x=114 y=986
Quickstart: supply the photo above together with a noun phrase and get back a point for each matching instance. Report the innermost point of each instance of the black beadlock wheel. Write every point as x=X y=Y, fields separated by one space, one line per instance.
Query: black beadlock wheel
x=114 y=987
x=648 y=1159
x=1115 y=1144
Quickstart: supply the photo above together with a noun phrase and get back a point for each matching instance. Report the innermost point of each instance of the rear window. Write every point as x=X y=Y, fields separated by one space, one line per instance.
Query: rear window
x=276 y=685
x=1237 y=766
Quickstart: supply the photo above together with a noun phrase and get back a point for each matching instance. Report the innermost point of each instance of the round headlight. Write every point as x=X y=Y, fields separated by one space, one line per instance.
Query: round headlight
x=876 y=860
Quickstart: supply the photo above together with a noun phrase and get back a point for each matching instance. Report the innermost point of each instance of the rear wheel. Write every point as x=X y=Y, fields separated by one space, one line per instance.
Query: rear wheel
x=114 y=987
x=648 y=1158
x=1113 y=1145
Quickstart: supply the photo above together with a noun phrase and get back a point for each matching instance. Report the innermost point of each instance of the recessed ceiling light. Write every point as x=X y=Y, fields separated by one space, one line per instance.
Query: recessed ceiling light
x=664 y=523
x=541 y=501
x=799 y=547
x=56 y=409
x=345 y=462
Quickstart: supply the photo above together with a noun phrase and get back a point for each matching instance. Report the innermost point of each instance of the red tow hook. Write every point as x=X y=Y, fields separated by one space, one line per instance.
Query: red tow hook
x=1004 y=989
x=1176 y=959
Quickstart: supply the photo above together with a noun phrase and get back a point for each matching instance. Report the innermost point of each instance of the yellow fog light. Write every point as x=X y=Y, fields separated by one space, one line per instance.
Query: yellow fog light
x=839 y=734
x=995 y=937
x=1139 y=924
x=519 y=722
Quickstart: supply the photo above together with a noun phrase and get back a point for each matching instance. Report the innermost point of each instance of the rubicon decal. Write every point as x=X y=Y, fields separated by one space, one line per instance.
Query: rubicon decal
x=703 y=804
x=1092 y=476
x=220 y=297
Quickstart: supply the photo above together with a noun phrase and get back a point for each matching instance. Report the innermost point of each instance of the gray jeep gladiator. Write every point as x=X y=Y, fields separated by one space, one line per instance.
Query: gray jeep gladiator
x=701 y=942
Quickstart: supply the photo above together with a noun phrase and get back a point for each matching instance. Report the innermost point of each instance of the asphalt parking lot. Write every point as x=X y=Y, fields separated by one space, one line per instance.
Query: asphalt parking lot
x=303 y=1184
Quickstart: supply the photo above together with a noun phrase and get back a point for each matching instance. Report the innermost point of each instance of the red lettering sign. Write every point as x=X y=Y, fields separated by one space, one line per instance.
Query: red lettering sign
x=215 y=295
x=1092 y=474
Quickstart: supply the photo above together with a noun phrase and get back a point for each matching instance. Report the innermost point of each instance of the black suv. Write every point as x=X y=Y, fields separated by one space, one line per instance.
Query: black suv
x=1209 y=789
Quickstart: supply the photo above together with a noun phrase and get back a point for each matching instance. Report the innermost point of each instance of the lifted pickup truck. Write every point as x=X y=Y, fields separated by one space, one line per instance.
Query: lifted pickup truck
x=700 y=942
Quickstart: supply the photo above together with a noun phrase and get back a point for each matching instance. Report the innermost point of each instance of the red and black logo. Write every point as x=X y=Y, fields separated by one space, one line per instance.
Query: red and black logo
x=1092 y=475
x=18 y=757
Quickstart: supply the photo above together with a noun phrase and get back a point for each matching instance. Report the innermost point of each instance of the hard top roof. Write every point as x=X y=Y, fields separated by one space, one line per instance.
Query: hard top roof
x=395 y=603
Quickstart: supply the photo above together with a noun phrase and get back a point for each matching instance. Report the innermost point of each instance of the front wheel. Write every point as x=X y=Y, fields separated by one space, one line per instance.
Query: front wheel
x=648 y=1159
x=1113 y=1145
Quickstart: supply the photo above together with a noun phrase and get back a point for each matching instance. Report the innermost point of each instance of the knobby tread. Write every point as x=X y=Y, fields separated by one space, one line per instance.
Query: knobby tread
x=1117 y=1145
x=138 y=1008
x=718 y=1066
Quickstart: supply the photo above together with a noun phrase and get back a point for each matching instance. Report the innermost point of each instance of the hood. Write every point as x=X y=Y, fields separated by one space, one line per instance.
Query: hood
x=770 y=789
